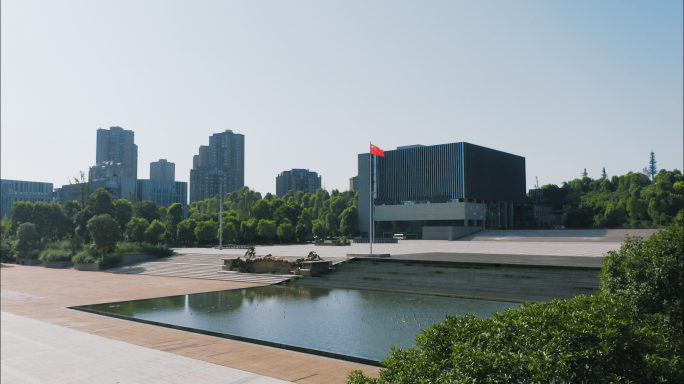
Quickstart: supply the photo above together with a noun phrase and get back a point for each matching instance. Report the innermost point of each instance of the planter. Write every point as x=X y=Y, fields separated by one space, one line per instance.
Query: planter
x=58 y=264
x=87 y=266
x=22 y=261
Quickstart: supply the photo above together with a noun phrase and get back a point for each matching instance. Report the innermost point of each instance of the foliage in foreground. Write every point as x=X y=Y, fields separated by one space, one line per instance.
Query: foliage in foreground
x=631 y=331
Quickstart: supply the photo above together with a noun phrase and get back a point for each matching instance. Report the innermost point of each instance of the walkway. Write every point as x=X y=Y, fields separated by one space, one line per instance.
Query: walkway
x=43 y=294
x=37 y=352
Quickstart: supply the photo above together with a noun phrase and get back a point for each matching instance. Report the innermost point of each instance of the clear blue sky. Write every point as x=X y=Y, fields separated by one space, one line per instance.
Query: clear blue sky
x=566 y=84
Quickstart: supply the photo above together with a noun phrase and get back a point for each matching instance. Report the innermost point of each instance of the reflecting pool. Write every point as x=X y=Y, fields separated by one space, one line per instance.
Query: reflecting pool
x=352 y=322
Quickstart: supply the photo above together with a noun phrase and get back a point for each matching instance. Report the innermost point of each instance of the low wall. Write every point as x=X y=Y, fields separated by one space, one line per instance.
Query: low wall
x=58 y=264
x=87 y=266
x=136 y=258
x=448 y=233
x=21 y=261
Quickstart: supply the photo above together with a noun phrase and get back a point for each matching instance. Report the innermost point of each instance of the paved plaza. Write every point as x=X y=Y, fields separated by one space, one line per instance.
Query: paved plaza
x=43 y=341
x=34 y=351
x=43 y=295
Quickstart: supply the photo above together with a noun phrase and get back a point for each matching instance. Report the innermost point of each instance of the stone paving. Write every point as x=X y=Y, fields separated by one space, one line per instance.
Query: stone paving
x=556 y=248
x=44 y=294
x=34 y=351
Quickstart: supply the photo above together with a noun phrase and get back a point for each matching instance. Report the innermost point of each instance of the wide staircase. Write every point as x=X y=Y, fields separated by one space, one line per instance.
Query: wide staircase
x=467 y=280
x=196 y=266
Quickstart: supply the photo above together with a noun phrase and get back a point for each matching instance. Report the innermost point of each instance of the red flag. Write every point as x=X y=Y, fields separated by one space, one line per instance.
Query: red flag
x=377 y=151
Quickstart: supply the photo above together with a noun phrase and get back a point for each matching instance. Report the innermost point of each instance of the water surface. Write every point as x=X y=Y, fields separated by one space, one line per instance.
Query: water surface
x=347 y=321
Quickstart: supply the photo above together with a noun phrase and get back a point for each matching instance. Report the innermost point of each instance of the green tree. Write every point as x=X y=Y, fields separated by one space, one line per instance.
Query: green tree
x=147 y=210
x=154 y=232
x=27 y=237
x=206 y=231
x=248 y=229
x=267 y=229
x=285 y=231
x=331 y=223
x=649 y=274
x=123 y=212
x=185 y=233
x=80 y=222
x=175 y=216
x=230 y=234
x=163 y=214
x=104 y=231
x=302 y=232
x=604 y=175
x=100 y=202
x=22 y=212
x=135 y=229
x=319 y=229
x=261 y=210
x=42 y=218
x=349 y=221
x=71 y=208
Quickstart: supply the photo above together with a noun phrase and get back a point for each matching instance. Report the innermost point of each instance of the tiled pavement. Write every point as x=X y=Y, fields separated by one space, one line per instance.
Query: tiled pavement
x=34 y=351
x=43 y=294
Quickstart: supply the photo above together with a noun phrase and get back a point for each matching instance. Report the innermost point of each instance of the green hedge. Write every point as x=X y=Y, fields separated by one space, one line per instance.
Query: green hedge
x=159 y=250
x=108 y=261
x=55 y=255
x=30 y=254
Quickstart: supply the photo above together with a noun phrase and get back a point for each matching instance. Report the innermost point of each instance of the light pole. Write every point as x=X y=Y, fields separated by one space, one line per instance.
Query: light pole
x=221 y=214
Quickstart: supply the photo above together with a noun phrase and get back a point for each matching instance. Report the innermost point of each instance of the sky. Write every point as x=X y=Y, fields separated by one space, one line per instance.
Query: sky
x=568 y=85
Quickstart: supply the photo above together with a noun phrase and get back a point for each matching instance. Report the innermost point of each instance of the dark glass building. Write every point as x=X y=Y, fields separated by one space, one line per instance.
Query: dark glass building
x=458 y=187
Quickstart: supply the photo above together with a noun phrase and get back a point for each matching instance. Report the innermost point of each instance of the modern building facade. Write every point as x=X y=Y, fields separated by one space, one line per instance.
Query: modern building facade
x=163 y=192
x=440 y=191
x=12 y=191
x=548 y=207
x=354 y=183
x=116 y=147
x=297 y=180
x=221 y=164
x=163 y=170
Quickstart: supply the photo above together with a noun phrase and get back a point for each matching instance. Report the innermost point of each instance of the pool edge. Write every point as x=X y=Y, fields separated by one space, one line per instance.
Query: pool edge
x=294 y=348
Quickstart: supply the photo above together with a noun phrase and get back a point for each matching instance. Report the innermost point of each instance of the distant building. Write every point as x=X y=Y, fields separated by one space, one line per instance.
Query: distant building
x=548 y=207
x=163 y=192
x=297 y=180
x=354 y=183
x=162 y=170
x=121 y=187
x=17 y=190
x=440 y=191
x=220 y=164
x=116 y=148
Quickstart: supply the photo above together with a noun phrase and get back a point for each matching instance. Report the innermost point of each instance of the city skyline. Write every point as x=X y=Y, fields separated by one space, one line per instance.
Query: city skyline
x=601 y=87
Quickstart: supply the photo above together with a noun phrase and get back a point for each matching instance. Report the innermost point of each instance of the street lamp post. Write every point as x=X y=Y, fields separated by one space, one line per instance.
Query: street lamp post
x=221 y=214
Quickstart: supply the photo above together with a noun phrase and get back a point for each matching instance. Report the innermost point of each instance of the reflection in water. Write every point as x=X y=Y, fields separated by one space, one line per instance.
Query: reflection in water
x=347 y=321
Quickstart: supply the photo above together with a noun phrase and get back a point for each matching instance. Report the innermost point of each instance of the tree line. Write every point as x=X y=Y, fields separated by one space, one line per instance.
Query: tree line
x=248 y=217
x=637 y=200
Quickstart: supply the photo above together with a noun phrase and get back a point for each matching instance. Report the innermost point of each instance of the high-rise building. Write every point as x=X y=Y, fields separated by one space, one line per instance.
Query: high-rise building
x=440 y=191
x=221 y=163
x=354 y=183
x=115 y=149
x=297 y=180
x=162 y=170
x=17 y=190
x=163 y=192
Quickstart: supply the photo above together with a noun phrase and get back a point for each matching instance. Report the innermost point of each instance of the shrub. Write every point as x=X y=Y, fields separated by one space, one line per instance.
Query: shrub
x=135 y=229
x=128 y=248
x=159 y=250
x=32 y=254
x=154 y=232
x=55 y=255
x=110 y=260
x=85 y=256
x=105 y=232
x=27 y=237
x=588 y=339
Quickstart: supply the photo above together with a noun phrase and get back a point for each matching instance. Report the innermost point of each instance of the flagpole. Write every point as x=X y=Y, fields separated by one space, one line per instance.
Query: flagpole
x=370 y=172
